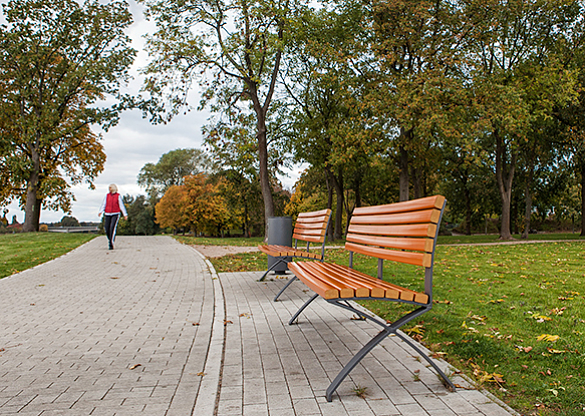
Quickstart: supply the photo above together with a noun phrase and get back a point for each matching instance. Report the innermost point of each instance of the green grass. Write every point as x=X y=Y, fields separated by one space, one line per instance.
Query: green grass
x=22 y=251
x=216 y=241
x=511 y=317
x=494 y=238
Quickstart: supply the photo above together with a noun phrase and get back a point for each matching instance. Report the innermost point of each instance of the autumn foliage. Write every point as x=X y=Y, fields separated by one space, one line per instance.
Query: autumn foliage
x=196 y=206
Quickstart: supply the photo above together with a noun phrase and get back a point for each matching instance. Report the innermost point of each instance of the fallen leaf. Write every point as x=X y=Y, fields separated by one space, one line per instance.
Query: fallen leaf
x=548 y=337
x=201 y=374
x=527 y=349
x=195 y=323
x=225 y=322
x=135 y=366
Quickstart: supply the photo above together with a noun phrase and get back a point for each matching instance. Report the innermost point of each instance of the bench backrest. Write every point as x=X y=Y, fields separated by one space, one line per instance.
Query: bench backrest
x=312 y=226
x=405 y=232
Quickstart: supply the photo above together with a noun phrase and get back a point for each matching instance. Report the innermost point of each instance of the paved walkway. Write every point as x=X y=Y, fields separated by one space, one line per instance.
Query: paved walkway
x=151 y=329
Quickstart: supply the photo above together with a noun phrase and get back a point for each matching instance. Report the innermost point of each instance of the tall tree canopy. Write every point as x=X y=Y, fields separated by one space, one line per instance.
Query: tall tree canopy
x=171 y=169
x=233 y=48
x=59 y=61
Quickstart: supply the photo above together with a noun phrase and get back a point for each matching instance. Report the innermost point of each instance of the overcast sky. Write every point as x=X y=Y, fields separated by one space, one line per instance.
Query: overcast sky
x=133 y=143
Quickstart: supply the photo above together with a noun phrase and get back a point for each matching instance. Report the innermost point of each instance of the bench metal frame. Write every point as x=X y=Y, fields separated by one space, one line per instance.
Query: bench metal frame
x=387 y=329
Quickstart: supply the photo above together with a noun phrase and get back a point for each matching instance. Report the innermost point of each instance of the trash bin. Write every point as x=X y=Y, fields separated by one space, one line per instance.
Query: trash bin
x=279 y=232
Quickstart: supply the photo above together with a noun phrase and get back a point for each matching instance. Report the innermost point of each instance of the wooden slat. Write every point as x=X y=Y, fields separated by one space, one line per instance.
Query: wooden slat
x=416 y=244
x=321 y=225
x=392 y=291
x=414 y=205
x=312 y=220
x=311 y=226
x=345 y=290
x=426 y=216
x=414 y=230
x=323 y=212
x=376 y=287
x=347 y=281
x=323 y=289
x=408 y=257
x=282 y=251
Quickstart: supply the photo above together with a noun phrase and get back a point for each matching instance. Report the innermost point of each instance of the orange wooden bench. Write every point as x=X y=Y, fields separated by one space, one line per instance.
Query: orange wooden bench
x=310 y=227
x=405 y=232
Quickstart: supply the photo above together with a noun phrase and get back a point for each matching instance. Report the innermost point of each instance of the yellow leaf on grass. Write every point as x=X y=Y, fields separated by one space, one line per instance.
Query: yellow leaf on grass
x=417 y=329
x=547 y=337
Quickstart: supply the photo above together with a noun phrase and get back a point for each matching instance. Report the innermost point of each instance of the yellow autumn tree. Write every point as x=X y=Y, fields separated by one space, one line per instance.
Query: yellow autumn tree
x=171 y=210
x=205 y=207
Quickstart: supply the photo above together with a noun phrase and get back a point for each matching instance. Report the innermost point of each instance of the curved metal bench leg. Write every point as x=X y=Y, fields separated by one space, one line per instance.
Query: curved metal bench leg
x=448 y=383
x=284 y=288
x=280 y=260
x=296 y=315
x=354 y=361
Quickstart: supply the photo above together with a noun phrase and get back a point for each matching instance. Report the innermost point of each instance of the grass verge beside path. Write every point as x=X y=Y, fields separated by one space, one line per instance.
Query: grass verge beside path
x=22 y=251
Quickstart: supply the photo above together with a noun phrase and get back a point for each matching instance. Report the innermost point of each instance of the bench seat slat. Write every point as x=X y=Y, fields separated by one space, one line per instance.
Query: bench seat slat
x=392 y=291
x=283 y=251
x=323 y=289
x=351 y=283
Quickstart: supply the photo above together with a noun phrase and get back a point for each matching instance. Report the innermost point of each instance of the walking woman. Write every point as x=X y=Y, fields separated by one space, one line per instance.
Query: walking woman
x=111 y=208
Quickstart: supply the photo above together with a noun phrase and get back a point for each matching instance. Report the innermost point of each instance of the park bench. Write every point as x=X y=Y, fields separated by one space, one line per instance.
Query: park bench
x=310 y=227
x=404 y=232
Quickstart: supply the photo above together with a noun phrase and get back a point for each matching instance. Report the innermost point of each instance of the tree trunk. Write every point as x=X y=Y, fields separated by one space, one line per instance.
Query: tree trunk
x=32 y=189
x=330 y=235
x=417 y=182
x=528 y=209
x=338 y=185
x=582 y=198
x=467 y=210
x=263 y=158
x=504 y=177
x=403 y=180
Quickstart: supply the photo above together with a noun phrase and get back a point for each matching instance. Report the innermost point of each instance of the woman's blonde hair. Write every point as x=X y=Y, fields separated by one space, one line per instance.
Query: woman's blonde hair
x=113 y=188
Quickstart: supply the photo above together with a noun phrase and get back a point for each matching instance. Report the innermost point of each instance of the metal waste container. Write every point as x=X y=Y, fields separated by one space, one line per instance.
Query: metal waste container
x=279 y=232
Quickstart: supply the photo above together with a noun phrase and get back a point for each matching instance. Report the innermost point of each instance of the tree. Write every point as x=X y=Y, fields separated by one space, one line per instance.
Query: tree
x=517 y=78
x=170 y=211
x=205 y=208
x=68 y=221
x=232 y=146
x=59 y=60
x=170 y=170
x=233 y=48
x=418 y=50
x=141 y=219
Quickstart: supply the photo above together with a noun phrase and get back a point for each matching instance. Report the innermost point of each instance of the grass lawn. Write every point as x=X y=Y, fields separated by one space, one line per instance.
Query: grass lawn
x=511 y=317
x=215 y=241
x=22 y=251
